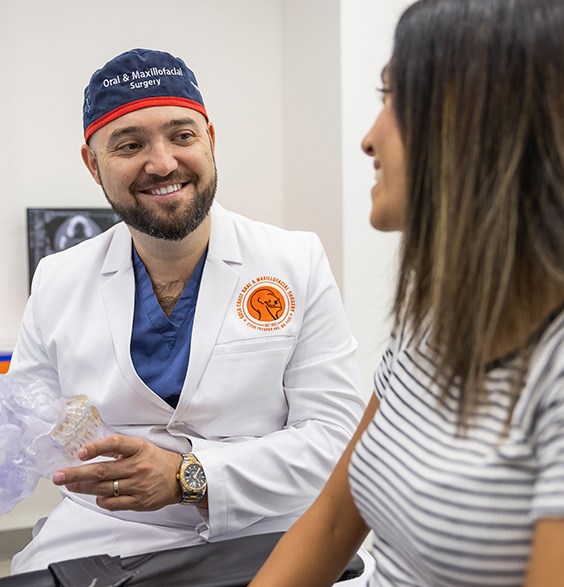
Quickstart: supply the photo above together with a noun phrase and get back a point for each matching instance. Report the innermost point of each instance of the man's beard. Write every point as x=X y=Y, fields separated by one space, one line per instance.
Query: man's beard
x=175 y=220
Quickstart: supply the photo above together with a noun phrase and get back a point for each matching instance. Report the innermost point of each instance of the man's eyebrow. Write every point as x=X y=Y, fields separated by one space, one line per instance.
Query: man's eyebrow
x=126 y=130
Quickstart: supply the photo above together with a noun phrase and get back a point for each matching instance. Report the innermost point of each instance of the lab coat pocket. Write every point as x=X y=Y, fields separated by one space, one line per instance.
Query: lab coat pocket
x=241 y=392
x=255 y=345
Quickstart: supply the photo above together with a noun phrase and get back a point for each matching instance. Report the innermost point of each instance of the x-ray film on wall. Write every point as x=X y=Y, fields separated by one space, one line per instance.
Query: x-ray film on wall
x=50 y=230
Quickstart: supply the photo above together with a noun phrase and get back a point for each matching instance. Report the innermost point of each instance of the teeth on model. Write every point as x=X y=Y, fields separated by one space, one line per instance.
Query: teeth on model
x=166 y=190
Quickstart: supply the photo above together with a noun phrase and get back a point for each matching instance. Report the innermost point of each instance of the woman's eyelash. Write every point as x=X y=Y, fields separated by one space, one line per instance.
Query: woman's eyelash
x=383 y=92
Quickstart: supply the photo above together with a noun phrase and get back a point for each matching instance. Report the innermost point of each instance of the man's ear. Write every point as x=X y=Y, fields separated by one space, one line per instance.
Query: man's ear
x=91 y=162
x=211 y=134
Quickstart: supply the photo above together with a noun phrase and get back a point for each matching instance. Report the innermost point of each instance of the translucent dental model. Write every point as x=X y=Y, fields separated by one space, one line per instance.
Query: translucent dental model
x=40 y=432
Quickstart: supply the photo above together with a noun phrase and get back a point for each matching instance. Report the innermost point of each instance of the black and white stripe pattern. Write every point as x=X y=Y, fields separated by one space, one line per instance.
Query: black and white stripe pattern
x=452 y=511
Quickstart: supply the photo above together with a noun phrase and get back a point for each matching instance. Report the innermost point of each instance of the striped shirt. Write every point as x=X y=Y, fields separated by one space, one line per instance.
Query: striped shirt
x=452 y=511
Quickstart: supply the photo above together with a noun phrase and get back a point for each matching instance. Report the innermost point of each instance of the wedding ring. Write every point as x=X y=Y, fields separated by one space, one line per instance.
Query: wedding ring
x=116 y=488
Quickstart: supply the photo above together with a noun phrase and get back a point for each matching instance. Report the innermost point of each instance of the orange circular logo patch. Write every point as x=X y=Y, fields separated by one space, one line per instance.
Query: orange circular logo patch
x=266 y=303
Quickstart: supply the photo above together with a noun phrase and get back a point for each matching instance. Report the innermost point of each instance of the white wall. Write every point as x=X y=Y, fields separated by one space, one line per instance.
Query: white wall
x=311 y=75
x=369 y=257
x=290 y=86
x=332 y=54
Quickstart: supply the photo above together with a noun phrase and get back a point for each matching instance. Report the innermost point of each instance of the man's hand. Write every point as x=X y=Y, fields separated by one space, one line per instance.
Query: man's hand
x=142 y=477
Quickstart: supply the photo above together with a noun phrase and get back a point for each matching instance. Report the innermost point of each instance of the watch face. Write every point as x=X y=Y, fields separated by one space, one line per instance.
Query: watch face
x=194 y=477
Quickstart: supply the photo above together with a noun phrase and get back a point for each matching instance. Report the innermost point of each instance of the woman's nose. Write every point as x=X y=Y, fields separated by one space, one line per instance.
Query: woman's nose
x=366 y=143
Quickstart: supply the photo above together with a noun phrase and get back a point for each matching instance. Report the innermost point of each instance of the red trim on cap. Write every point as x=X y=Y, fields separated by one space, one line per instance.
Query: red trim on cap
x=143 y=103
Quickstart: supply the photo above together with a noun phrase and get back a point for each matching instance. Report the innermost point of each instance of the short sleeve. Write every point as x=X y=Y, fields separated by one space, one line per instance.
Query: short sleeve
x=548 y=499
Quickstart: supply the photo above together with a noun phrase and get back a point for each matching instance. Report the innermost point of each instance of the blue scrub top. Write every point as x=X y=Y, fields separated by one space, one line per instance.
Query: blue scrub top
x=160 y=345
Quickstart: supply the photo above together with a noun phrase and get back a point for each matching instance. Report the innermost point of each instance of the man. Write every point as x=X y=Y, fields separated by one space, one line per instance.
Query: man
x=215 y=346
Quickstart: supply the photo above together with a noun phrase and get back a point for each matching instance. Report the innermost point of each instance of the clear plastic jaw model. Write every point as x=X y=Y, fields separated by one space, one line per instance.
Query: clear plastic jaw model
x=78 y=423
x=40 y=432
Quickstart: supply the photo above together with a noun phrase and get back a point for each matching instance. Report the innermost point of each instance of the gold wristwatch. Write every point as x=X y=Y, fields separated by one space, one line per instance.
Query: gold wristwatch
x=192 y=480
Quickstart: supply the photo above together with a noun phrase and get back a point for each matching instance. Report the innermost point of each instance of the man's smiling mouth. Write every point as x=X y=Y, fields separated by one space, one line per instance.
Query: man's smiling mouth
x=164 y=190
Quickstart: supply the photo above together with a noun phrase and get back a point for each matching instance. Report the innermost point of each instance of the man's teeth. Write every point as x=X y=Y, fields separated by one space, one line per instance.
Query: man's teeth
x=379 y=175
x=166 y=190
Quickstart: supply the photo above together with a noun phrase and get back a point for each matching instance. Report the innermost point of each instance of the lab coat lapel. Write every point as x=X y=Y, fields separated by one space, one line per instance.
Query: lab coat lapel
x=118 y=294
x=219 y=281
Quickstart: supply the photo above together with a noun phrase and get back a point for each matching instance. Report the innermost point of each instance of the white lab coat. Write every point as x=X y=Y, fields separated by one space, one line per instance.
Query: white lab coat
x=268 y=413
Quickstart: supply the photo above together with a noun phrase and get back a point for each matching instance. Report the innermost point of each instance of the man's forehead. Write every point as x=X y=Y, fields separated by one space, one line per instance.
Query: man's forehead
x=152 y=118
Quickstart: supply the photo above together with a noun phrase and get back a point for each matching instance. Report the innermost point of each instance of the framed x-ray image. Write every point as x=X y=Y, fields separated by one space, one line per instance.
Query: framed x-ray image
x=50 y=230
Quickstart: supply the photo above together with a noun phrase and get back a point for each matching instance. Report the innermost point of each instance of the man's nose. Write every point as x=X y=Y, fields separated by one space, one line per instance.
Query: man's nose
x=161 y=160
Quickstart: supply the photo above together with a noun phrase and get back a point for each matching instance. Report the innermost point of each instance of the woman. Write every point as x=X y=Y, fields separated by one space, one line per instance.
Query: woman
x=459 y=469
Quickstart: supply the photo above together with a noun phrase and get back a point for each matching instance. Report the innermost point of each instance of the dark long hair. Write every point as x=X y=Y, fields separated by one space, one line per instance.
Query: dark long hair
x=478 y=90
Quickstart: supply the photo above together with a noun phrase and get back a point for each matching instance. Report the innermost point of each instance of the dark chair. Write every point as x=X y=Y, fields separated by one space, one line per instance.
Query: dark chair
x=231 y=563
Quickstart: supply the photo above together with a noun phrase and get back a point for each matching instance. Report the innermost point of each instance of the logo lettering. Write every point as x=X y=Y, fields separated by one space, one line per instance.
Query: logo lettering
x=266 y=303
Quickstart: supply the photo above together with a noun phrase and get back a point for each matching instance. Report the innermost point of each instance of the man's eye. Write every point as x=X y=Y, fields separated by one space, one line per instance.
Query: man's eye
x=130 y=147
x=125 y=148
x=185 y=136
